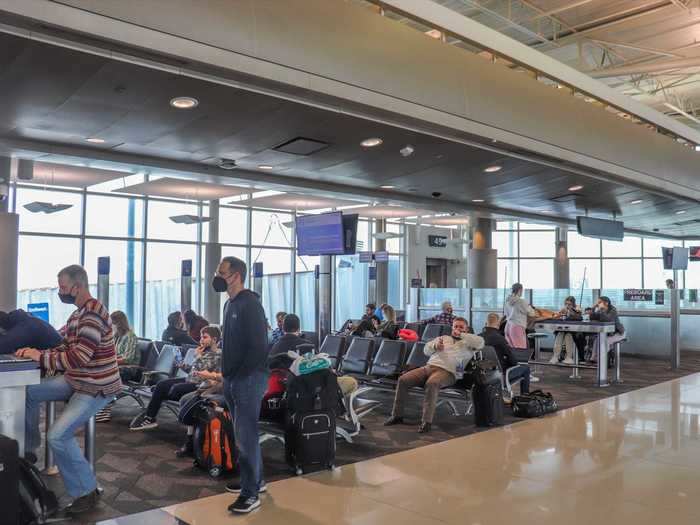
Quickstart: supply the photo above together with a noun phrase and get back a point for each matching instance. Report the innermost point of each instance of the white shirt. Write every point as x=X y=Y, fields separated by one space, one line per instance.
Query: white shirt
x=517 y=309
x=456 y=353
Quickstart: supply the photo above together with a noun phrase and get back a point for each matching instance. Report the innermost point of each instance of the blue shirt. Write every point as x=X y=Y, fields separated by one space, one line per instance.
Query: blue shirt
x=28 y=331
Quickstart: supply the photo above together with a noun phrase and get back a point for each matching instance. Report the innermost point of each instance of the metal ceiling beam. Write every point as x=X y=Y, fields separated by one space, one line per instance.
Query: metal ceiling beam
x=654 y=67
x=562 y=8
x=638 y=48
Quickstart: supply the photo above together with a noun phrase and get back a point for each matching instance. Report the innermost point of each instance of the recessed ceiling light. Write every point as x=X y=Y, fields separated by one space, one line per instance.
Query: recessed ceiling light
x=637 y=201
x=387 y=187
x=265 y=167
x=371 y=142
x=576 y=188
x=477 y=200
x=493 y=169
x=697 y=147
x=184 y=102
x=95 y=140
x=680 y=212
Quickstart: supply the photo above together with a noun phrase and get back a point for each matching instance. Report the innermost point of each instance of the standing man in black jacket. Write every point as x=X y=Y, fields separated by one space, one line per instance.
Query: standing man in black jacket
x=244 y=368
x=493 y=337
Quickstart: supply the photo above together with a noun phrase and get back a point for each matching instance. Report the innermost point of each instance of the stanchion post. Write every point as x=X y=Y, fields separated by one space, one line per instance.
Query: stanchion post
x=675 y=324
x=49 y=463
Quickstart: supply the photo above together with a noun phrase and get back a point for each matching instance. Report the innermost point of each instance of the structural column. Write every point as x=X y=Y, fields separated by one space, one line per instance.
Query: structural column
x=561 y=259
x=5 y=164
x=382 y=283
x=212 y=257
x=9 y=240
x=483 y=260
x=325 y=297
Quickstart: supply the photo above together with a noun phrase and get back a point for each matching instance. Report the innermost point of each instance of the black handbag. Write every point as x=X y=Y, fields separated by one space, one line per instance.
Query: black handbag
x=534 y=404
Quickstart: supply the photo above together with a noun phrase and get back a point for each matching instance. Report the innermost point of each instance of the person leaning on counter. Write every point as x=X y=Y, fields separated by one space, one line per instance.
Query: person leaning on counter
x=90 y=380
x=22 y=329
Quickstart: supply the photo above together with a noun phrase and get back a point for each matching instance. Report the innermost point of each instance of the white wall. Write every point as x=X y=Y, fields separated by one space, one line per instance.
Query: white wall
x=417 y=251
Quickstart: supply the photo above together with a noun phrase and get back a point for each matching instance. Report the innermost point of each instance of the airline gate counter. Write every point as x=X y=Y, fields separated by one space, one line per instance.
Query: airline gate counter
x=15 y=375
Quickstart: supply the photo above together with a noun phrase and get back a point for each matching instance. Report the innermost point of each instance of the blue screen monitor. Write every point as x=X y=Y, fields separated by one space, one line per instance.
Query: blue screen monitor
x=320 y=234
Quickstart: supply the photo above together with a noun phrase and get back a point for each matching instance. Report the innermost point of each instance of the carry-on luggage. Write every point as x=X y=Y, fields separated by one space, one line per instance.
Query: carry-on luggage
x=487 y=394
x=213 y=443
x=9 y=480
x=37 y=503
x=312 y=401
x=534 y=404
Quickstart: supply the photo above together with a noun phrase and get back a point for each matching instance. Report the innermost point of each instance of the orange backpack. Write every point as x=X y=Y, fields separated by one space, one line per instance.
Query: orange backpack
x=214 y=447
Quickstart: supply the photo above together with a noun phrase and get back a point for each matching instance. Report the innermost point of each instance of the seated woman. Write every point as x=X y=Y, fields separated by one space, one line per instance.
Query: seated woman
x=564 y=341
x=388 y=328
x=605 y=311
x=203 y=373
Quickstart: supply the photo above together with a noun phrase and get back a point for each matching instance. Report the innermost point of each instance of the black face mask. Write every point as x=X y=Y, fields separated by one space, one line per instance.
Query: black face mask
x=66 y=298
x=219 y=284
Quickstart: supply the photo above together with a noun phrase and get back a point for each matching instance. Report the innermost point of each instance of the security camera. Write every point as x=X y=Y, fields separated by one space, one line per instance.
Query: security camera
x=437 y=194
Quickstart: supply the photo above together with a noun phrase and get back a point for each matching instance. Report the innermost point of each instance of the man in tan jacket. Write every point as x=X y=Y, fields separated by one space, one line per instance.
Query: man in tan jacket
x=448 y=354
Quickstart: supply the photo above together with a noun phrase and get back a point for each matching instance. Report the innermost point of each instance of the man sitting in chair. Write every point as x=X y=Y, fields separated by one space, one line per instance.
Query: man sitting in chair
x=493 y=337
x=447 y=354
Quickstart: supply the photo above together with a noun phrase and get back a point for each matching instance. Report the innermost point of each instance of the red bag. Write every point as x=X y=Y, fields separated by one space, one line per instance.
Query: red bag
x=408 y=335
x=272 y=408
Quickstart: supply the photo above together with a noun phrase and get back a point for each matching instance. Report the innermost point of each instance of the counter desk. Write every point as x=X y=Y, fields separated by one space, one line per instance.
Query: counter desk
x=15 y=376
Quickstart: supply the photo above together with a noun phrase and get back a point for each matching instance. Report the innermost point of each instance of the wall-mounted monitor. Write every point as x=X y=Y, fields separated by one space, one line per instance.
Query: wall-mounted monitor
x=350 y=231
x=320 y=234
x=600 y=228
x=675 y=258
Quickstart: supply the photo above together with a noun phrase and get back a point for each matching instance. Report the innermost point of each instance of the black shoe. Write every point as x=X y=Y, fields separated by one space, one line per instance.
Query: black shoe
x=393 y=420
x=143 y=422
x=244 y=505
x=235 y=487
x=424 y=428
x=83 y=503
x=31 y=458
x=186 y=450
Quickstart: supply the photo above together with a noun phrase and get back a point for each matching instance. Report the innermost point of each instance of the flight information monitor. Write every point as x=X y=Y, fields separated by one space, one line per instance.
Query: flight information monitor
x=320 y=234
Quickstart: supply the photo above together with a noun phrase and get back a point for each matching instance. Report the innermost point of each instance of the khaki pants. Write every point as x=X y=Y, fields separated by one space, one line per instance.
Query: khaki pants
x=432 y=378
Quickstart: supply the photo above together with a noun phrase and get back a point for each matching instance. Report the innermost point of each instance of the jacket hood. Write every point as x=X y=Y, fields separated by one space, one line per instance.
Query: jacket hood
x=17 y=316
x=513 y=299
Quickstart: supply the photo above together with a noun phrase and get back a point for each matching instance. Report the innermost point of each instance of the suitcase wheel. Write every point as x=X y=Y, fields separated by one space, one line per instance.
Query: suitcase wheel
x=298 y=471
x=215 y=472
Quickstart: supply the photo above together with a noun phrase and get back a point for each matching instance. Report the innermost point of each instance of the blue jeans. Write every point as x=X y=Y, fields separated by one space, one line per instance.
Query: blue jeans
x=244 y=396
x=524 y=372
x=75 y=470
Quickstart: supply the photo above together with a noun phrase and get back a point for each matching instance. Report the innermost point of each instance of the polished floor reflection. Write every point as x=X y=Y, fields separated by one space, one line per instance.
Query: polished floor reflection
x=630 y=459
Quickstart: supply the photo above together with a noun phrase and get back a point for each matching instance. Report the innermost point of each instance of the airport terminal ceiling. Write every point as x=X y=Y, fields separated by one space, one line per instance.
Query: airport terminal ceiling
x=56 y=97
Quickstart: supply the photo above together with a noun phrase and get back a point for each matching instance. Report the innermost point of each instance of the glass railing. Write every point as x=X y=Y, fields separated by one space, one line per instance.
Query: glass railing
x=435 y=297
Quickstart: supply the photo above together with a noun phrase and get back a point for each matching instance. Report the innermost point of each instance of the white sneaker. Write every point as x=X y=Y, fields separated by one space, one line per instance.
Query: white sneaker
x=568 y=361
x=534 y=379
x=554 y=360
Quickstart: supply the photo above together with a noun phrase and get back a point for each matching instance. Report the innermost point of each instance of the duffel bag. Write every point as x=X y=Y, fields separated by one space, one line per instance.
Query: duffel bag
x=534 y=404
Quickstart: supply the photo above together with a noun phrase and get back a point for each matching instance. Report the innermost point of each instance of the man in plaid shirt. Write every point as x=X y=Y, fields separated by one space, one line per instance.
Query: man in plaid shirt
x=90 y=380
x=444 y=317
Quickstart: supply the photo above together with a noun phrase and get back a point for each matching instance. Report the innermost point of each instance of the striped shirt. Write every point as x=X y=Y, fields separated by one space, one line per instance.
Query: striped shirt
x=87 y=355
x=441 y=318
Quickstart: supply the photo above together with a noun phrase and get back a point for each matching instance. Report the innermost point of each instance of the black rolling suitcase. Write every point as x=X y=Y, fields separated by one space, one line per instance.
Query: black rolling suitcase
x=9 y=480
x=487 y=394
x=312 y=401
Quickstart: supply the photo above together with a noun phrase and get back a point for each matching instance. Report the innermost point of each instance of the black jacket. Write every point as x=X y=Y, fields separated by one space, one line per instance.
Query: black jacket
x=493 y=337
x=609 y=317
x=278 y=353
x=244 y=333
x=28 y=331
x=177 y=337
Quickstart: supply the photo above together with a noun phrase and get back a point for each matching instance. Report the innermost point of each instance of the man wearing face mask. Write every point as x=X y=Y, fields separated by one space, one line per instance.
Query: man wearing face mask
x=244 y=368
x=90 y=380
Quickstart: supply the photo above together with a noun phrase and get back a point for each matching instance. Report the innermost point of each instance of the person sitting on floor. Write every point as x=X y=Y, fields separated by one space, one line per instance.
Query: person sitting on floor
x=565 y=340
x=493 y=337
x=447 y=354
x=23 y=330
x=175 y=333
x=203 y=372
x=604 y=311
x=446 y=316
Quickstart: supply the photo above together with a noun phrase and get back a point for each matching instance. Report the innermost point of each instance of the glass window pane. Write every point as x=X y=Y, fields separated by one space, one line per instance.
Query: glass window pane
x=537 y=244
x=272 y=228
x=277 y=280
x=535 y=226
x=394 y=245
x=652 y=247
x=618 y=274
x=305 y=301
x=163 y=269
x=306 y=263
x=363 y=243
x=506 y=243
x=160 y=226
x=507 y=272
x=591 y=267
x=628 y=247
x=506 y=225
x=654 y=274
x=125 y=259
x=114 y=216
x=64 y=221
x=351 y=284
x=233 y=225
x=580 y=246
x=395 y=280
x=537 y=273
x=119 y=183
x=36 y=279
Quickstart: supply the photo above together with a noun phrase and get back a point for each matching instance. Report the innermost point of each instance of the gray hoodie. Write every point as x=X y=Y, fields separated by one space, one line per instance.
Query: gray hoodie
x=517 y=309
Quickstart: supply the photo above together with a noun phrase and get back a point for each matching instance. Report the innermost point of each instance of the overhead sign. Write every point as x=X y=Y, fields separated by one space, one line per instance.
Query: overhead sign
x=381 y=256
x=659 y=297
x=40 y=310
x=638 y=294
x=257 y=270
x=437 y=241
x=366 y=257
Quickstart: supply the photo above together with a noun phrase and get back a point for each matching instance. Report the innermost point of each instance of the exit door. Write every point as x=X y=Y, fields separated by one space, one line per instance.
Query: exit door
x=436 y=272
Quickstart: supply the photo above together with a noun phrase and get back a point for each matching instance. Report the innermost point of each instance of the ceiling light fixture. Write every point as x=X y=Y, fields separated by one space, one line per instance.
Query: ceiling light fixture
x=265 y=167
x=95 y=140
x=637 y=201
x=477 y=200
x=576 y=188
x=227 y=164
x=697 y=147
x=371 y=142
x=387 y=187
x=680 y=212
x=184 y=102
x=493 y=169
x=188 y=219
x=407 y=150
x=46 y=207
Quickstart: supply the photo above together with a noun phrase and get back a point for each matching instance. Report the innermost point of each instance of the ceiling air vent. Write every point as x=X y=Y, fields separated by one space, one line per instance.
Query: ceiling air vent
x=301 y=146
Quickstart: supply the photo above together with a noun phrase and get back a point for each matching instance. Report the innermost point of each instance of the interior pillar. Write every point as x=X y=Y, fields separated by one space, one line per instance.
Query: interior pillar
x=325 y=297
x=212 y=257
x=382 y=283
x=9 y=240
x=483 y=260
x=5 y=164
x=561 y=259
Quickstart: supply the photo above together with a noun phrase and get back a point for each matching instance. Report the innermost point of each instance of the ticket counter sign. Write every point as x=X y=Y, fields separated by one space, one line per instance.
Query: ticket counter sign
x=40 y=310
x=638 y=294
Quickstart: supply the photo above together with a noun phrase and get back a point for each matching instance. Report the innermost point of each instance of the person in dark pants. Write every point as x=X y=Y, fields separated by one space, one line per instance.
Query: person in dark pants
x=21 y=330
x=245 y=372
x=493 y=337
